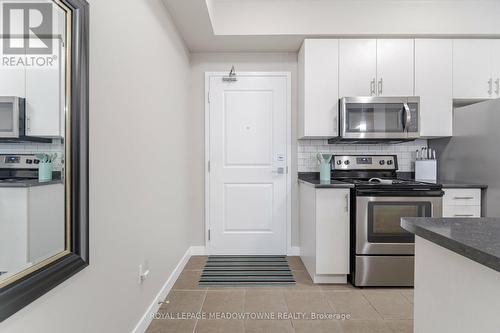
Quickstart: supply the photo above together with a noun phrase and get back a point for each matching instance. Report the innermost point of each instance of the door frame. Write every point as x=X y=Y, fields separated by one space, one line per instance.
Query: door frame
x=287 y=75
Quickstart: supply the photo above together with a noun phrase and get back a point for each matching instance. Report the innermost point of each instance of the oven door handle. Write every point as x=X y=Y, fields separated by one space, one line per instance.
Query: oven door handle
x=400 y=193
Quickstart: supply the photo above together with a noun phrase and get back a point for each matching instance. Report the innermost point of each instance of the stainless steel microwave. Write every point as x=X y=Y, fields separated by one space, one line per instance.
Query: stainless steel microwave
x=12 y=117
x=379 y=118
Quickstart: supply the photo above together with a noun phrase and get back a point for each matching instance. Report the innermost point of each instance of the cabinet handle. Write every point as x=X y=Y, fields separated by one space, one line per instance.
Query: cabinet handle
x=346 y=203
x=497 y=83
x=380 y=85
x=463 y=215
x=372 y=87
x=490 y=85
x=463 y=198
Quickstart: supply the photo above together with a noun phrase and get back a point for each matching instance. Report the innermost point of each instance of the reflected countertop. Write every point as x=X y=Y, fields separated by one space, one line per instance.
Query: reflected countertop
x=29 y=183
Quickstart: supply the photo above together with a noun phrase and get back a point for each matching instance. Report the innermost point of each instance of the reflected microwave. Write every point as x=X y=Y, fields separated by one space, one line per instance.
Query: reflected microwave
x=379 y=119
x=12 y=113
x=13 y=121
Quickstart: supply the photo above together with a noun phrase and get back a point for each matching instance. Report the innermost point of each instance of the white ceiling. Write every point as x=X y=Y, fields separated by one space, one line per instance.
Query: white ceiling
x=281 y=25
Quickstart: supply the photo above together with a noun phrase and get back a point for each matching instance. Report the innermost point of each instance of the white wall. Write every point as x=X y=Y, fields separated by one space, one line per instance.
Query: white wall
x=213 y=62
x=140 y=167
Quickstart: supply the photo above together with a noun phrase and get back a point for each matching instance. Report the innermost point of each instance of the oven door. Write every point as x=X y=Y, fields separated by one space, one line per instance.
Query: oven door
x=379 y=117
x=378 y=218
x=9 y=117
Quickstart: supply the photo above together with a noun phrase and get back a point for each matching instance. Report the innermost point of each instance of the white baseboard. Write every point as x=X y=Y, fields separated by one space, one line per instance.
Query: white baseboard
x=146 y=319
x=294 y=251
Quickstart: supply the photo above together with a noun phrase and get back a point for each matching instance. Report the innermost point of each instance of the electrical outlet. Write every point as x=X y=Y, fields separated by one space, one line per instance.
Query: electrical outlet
x=143 y=271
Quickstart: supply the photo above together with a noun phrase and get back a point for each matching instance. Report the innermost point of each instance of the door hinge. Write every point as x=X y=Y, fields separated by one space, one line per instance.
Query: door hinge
x=208 y=234
x=208 y=166
x=287 y=169
x=208 y=97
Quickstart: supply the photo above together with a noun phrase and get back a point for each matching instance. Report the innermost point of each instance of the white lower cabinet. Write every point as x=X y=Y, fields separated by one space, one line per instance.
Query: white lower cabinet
x=324 y=233
x=31 y=225
x=462 y=202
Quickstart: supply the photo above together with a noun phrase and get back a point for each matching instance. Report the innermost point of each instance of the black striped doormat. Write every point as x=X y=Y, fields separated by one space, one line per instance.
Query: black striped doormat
x=246 y=271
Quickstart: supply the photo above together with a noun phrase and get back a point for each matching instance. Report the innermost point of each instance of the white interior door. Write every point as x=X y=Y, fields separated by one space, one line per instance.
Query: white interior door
x=247 y=153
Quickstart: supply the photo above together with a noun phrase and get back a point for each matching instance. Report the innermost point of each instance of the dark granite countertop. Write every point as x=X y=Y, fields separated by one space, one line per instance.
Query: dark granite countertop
x=312 y=179
x=475 y=238
x=460 y=184
x=30 y=183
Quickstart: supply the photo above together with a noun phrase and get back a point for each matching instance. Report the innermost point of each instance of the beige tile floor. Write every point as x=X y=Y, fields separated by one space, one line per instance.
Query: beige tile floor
x=371 y=310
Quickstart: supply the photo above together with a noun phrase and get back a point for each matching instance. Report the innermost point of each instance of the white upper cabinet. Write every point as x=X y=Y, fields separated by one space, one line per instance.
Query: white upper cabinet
x=434 y=85
x=44 y=86
x=495 y=67
x=318 y=88
x=370 y=67
x=472 y=69
x=395 y=67
x=12 y=78
x=357 y=67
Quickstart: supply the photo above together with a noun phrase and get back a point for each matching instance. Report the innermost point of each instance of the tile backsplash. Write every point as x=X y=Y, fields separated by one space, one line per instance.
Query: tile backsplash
x=33 y=147
x=307 y=150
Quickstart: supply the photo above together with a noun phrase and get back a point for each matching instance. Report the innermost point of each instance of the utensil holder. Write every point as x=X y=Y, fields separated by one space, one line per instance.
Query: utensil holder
x=45 y=171
x=324 y=172
x=426 y=170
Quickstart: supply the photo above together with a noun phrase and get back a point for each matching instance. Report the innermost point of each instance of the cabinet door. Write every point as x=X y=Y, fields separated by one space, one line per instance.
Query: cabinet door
x=13 y=229
x=12 y=78
x=43 y=98
x=471 y=68
x=395 y=67
x=332 y=231
x=46 y=227
x=433 y=83
x=357 y=67
x=319 y=88
x=495 y=67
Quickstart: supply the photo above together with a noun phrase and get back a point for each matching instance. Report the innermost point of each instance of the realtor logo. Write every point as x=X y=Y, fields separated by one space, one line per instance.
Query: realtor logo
x=27 y=28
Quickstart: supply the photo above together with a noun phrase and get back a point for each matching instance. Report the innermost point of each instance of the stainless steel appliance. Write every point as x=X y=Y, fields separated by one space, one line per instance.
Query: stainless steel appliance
x=382 y=253
x=13 y=121
x=15 y=168
x=12 y=112
x=471 y=155
x=378 y=119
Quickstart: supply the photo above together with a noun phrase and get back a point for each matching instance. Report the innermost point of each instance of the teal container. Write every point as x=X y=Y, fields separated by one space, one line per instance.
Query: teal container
x=324 y=172
x=45 y=171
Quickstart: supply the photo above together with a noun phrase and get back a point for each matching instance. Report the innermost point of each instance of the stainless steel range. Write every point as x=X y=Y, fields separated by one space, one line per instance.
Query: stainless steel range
x=18 y=168
x=382 y=253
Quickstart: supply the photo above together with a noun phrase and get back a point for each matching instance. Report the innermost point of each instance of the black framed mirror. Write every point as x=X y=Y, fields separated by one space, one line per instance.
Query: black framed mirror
x=59 y=160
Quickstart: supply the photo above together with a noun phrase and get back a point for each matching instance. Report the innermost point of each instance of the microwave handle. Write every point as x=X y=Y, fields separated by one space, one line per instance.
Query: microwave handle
x=406 y=116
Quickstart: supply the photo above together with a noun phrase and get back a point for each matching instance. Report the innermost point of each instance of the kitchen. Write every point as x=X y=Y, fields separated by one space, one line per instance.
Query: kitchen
x=329 y=165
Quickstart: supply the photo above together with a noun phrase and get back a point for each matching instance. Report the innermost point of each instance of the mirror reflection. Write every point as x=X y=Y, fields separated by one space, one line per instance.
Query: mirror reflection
x=32 y=140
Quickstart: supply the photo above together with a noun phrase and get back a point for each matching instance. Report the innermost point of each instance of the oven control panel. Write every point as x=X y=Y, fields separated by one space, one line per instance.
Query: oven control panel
x=364 y=162
x=21 y=161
